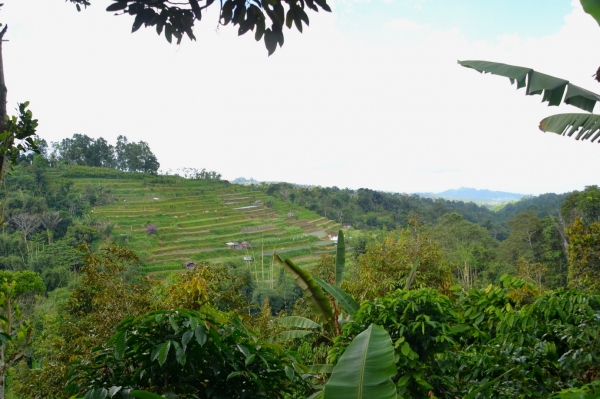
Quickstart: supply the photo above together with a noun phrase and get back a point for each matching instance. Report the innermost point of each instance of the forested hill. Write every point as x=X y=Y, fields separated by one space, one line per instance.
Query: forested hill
x=370 y=209
x=543 y=205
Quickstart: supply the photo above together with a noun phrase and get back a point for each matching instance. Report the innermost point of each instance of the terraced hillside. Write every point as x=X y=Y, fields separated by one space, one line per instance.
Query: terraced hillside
x=196 y=219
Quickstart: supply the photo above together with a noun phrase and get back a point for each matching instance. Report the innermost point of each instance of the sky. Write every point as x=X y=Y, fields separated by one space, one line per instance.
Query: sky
x=370 y=95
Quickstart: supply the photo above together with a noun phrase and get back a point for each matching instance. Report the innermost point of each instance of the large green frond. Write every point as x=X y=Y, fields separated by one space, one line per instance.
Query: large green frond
x=317 y=300
x=553 y=89
x=344 y=299
x=365 y=369
x=578 y=126
x=298 y=322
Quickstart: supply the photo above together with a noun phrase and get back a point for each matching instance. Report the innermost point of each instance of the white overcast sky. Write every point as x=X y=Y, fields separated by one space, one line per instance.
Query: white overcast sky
x=368 y=96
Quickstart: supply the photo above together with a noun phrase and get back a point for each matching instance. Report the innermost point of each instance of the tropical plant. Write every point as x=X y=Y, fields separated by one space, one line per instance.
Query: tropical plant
x=555 y=90
x=365 y=369
x=190 y=354
x=50 y=221
x=422 y=325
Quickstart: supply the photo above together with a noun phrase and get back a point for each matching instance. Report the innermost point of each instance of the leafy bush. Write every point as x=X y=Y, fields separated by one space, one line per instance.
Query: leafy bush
x=422 y=324
x=190 y=354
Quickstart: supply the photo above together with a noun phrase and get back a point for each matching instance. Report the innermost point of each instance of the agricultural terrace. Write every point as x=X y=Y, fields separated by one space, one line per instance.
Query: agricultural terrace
x=169 y=220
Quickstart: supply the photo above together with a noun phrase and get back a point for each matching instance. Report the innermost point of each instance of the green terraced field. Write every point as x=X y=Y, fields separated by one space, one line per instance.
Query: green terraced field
x=195 y=219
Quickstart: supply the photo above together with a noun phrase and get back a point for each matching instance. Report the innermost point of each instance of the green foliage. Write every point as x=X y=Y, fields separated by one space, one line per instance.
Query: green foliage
x=16 y=290
x=389 y=259
x=585 y=204
x=220 y=287
x=126 y=156
x=18 y=137
x=190 y=354
x=584 y=247
x=552 y=88
x=420 y=325
x=109 y=290
x=365 y=368
x=319 y=303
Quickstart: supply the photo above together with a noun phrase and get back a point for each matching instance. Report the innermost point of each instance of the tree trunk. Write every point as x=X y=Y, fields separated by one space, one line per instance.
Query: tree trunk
x=3 y=94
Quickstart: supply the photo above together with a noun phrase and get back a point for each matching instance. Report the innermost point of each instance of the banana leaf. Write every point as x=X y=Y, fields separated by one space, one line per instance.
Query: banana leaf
x=552 y=88
x=298 y=322
x=344 y=299
x=365 y=369
x=578 y=126
x=317 y=300
x=592 y=7
x=292 y=334
x=340 y=259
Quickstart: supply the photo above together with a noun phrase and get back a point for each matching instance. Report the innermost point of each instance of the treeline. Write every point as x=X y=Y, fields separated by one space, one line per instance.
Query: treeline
x=83 y=150
x=525 y=237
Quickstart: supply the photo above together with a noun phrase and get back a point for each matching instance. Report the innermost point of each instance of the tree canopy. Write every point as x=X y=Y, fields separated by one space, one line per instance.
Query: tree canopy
x=266 y=18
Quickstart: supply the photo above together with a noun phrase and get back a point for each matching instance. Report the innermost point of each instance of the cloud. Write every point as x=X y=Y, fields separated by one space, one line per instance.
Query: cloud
x=386 y=112
x=403 y=24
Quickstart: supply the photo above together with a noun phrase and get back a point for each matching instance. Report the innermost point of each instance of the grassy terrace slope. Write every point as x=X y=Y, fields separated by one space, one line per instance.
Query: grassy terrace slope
x=195 y=219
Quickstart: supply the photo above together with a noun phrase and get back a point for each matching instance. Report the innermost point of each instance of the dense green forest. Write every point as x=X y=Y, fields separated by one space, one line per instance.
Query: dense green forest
x=461 y=301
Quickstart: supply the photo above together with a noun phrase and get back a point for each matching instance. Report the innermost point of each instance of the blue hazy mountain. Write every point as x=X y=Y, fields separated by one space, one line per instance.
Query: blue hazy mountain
x=473 y=194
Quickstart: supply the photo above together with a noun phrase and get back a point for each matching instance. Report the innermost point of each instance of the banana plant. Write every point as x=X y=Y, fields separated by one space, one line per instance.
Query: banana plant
x=554 y=91
x=300 y=327
x=317 y=300
x=366 y=368
x=314 y=292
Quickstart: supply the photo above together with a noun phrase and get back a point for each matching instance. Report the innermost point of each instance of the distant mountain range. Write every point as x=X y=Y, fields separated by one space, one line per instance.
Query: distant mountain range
x=472 y=194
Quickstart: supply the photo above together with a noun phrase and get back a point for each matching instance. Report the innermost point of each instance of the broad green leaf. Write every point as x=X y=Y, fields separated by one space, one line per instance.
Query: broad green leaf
x=313 y=293
x=187 y=336
x=244 y=350
x=120 y=345
x=250 y=359
x=234 y=374
x=578 y=126
x=113 y=391
x=552 y=88
x=298 y=322
x=144 y=395
x=163 y=352
x=180 y=356
x=340 y=259
x=344 y=299
x=200 y=333
x=592 y=7
x=292 y=334
x=289 y=372
x=365 y=369
x=405 y=349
